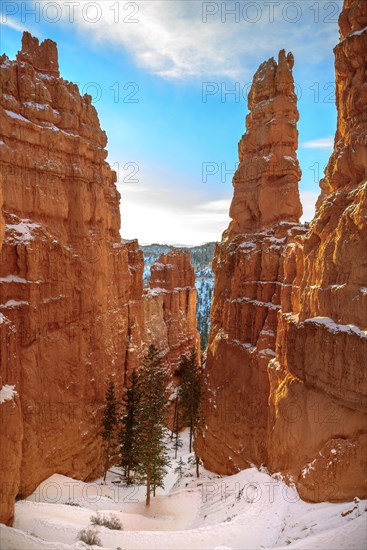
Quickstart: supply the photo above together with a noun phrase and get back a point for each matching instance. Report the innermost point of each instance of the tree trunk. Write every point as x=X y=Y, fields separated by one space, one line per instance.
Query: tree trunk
x=147 y=501
x=197 y=465
x=176 y=445
x=174 y=415
x=106 y=461
x=191 y=430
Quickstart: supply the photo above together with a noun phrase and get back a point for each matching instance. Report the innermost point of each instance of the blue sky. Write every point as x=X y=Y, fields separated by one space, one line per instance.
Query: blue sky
x=148 y=65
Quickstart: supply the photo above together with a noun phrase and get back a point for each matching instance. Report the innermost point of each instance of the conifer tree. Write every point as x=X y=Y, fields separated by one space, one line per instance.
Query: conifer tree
x=152 y=450
x=109 y=423
x=175 y=431
x=176 y=410
x=190 y=392
x=180 y=468
x=178 y=441
x=129 y=432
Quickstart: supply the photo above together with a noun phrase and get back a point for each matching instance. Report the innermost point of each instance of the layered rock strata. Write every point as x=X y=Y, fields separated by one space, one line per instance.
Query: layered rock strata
x=249 y=274
x=303 y=413
x=319 y=376
x=72 y=310
x=170 y=308
x=70 y=291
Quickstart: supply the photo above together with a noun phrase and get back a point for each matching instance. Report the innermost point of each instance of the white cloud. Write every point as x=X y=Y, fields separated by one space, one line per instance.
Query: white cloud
x=12 y=24
x=179 y=215
x=221 y=206
x=171 y=39
x=308 y=200
x=179 y=221
x=191 y=226
x=320 y=143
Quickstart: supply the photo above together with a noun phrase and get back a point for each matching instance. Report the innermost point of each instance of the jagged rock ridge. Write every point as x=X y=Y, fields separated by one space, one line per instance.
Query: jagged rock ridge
x=201 y=259
x=68 y=286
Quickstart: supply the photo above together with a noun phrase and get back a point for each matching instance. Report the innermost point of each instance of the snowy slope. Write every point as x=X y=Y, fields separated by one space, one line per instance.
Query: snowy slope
x=246 y=511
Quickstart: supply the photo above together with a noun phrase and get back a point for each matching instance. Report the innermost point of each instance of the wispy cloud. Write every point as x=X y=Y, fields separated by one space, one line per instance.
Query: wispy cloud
x=320 y=143
x=176 y=39
x=152 y=220
x=12 y=24
x=218 y=206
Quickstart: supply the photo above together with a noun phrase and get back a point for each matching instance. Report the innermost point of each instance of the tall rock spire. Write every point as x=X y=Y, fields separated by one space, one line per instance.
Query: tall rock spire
x=321 y=352
x=266 y=181
x=248 y=269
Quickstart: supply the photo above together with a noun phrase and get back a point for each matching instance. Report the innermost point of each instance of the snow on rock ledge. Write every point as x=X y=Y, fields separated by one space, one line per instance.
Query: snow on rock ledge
x=7 y=393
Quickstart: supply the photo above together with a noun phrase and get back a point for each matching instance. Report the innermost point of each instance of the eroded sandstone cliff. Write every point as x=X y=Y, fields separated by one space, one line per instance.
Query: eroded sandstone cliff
x=70 y=290
x=302 y=413
x=249 y=274
x=170 y=308
x=319 y=376
x=72 y=310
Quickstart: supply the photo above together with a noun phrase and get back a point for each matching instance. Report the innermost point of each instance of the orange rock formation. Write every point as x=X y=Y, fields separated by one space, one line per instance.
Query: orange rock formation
x=67 y=284
x=71 y=292
x=319 y=376
x=248 y=268
x=302 y=413
x=170 y=308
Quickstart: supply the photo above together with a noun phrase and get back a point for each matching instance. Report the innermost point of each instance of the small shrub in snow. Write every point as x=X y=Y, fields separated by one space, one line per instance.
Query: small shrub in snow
x=71 y=503
x=90 y=537
x=111 y=521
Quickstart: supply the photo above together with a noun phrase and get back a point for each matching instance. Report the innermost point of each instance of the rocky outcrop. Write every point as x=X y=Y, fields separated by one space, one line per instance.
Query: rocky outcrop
x=304 y=412
x=2 y=223
x=266 y=181
x=11 y=425
x=249 y=275
x=170 y=308
x=70 y=291
x=319 y=376
x=72 y=310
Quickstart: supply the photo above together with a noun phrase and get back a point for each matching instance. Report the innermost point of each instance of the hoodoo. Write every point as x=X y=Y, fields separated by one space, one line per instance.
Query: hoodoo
x=286 y=373
x=66 y=280
x=248 y=268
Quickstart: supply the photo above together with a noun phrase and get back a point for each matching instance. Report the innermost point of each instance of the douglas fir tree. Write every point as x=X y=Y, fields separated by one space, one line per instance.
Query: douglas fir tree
x=129 y=432
x=109 y=423
x=152 y=451
x=190 y=395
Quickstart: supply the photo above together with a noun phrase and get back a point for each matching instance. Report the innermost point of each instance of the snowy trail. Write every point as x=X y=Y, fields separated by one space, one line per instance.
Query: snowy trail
x=249 y=510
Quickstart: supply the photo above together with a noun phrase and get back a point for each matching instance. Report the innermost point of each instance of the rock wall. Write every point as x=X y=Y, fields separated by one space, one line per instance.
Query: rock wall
x=11 y=425
x=303 y=413
x=70 y=291
x=249 y=275
x=319 y=376
x=170 y=308
x=72 y=310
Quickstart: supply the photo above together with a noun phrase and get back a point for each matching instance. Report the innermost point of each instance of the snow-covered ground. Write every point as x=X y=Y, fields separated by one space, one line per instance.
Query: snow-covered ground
x=249 y=510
